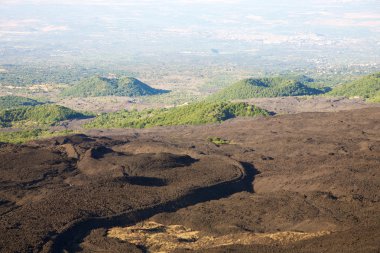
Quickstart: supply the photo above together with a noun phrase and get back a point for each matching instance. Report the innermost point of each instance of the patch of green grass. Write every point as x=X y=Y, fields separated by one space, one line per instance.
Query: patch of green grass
x=18 y=137
x=375 y=99
x=218 y=141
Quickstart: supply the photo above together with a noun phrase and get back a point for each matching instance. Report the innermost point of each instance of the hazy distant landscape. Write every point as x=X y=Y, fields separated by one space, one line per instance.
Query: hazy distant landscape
x=189 y=126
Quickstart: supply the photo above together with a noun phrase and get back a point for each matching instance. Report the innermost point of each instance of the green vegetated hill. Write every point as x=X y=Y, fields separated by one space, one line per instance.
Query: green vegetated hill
x=97 y=86
x=9 y=102
x=192 y=114
x=40 y=115
x=367 y=87
x=30 y=134
x=266 y=87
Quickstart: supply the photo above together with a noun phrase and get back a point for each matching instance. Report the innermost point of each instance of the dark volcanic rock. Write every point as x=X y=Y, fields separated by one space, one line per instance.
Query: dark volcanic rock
x=55 y=197
x=45 y=194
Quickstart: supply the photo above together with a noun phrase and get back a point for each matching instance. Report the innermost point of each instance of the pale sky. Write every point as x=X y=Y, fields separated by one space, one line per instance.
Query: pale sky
x=180 y=24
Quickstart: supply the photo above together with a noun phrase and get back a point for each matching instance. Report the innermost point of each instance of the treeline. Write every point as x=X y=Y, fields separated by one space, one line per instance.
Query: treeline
x=192 y=114
x=266 y=87
x=97 y=86
x=21 y=75
x=25 y=112
x=29 y=135
x=41 y=115
x=9 y=102
x=367 y=87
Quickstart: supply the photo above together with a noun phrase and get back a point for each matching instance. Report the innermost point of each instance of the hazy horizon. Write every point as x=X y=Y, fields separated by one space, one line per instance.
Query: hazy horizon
x=317 y=30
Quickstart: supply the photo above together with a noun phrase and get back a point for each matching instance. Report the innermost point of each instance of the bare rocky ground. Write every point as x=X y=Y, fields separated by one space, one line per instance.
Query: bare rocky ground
x=288 y=105
x=305 y=182
x=279 y=105
x=107 y=104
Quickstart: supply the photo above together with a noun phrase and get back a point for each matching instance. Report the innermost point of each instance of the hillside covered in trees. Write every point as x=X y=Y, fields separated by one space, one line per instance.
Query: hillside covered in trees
x=266 y=87
x=29 y=135
x=9 y=102
x=97 y=86
x=41 y=115
x=192 y=114
x=367 y=87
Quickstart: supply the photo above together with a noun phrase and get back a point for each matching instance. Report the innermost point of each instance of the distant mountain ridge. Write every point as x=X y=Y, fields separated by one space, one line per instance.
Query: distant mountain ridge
x=367 y=87
x=98 y=86
x=266 y=87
